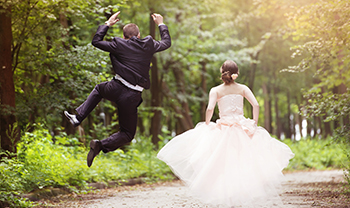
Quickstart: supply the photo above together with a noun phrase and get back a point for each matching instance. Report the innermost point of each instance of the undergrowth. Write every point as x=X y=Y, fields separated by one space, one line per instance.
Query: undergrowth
x=46 y=161
x=60 y=161
x=318 y=154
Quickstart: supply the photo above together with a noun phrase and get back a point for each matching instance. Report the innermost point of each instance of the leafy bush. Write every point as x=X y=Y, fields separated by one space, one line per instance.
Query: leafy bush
x=11 y=182
x=46 y=161
x=316 y=154
x=138 y=160
x=13 y=199
x=343 y=135
x=347 y=164
x=49 y=161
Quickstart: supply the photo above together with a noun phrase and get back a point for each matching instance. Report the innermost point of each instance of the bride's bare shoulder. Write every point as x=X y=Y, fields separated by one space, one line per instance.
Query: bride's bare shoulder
x=216 y=88
x=242 y=86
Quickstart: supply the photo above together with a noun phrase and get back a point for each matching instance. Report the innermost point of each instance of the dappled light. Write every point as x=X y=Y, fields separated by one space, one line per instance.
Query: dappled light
x=294 y=56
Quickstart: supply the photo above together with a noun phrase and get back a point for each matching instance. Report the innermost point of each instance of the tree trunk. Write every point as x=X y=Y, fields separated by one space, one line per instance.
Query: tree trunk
x=68 y=127
x=327 y=128
x=183 y=123
x=336 y=122
x=253 y=69
x=155 y=94
x=289 y=125
x=141 y=127
x=309 y=128
x=8 y=130
x=180 y=84
x=346 y=118
x=300 y=120
x=204 y=90
x=267 y=108
x=251 y=82
x=317 y=126
x=64 y=24
x=277 y=115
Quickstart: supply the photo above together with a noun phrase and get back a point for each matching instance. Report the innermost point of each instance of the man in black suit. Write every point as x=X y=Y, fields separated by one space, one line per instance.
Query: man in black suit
x=131 y=59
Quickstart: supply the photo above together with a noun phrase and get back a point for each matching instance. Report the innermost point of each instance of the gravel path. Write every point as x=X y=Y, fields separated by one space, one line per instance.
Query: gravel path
x=174 y=194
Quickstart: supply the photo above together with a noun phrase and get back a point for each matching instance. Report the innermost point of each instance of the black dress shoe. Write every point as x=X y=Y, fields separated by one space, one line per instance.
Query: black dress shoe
x=95 y=149
x=72 y=119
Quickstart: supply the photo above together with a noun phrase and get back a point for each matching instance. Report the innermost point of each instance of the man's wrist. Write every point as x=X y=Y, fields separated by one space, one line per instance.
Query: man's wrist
x=161 y=24
x=107 y=23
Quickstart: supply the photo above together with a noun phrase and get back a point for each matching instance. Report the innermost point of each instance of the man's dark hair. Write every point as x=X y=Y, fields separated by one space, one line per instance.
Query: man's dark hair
x=130 y=30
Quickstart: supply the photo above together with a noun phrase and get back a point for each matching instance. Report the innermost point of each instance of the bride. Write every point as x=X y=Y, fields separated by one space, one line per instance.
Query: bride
x=231 y=162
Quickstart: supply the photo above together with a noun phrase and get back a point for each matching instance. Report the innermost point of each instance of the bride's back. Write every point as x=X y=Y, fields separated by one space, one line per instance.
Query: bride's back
x=234 y=88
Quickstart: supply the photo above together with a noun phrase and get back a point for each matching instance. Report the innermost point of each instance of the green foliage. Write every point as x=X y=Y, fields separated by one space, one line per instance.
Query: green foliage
x=347 y=163
x=49 y=161
x=343 y=137
x=316 y=154
x=332 y=106
x=324 y=28
x=13 y=199
x=46 y=161
x=55 y=66
x=137 y=160
x=11 y=182
x=10 y=177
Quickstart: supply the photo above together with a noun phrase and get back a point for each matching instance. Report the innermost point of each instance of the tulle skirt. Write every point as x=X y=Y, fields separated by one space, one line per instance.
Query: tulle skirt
x=224 y=166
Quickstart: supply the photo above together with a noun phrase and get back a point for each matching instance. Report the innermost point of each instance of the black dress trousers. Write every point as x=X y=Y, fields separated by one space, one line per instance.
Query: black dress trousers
x=127 y=101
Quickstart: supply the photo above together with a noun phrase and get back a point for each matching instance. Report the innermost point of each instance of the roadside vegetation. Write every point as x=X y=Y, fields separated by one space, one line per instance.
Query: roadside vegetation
x=45 y=161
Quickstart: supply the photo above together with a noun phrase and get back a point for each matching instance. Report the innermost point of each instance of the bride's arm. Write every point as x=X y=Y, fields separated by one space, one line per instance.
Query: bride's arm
x=248 y=94
x=211 y=105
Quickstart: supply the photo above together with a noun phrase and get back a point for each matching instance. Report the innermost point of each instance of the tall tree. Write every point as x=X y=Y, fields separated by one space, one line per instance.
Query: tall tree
x=8 y=131
x=156 y=95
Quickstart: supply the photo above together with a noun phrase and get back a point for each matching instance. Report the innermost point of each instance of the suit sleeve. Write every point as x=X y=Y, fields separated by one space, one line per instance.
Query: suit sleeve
x=165 y=41
x=98 y=42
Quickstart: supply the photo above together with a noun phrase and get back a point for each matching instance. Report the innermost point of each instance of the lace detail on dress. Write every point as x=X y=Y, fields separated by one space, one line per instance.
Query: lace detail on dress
x=230 y=104
x=231 y=114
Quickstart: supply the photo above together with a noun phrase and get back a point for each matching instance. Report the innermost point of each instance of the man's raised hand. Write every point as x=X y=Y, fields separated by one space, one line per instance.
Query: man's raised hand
x=113 y=19
x=157 y=18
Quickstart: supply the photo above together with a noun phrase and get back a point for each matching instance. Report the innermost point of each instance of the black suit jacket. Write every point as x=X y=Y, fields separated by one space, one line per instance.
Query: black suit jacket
x=131 y=58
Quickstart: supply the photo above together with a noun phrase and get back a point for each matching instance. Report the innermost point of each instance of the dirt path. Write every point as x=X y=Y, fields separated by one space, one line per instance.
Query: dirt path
x=301 y=190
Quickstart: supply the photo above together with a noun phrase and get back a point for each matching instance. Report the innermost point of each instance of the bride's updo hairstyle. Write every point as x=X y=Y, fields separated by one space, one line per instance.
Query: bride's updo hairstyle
x=229 y=72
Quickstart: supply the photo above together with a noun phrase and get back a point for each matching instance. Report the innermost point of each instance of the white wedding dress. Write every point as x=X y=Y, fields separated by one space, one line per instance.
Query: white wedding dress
x=231 y=162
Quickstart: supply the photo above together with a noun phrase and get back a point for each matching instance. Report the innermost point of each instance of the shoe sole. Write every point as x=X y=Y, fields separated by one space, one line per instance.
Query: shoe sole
x=91 y=155
x=70 y=121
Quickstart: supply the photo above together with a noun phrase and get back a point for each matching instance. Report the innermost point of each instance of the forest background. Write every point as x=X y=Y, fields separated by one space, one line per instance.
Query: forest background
x=294 y=55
